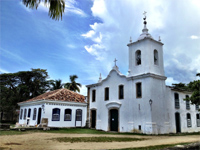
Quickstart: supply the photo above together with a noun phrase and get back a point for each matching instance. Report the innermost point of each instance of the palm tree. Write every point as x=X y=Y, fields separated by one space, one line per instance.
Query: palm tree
x=73 y=85
x=56 y=84
x=56 y=7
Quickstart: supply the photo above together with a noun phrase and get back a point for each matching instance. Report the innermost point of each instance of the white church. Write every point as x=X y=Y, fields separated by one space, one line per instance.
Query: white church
x=141 y=101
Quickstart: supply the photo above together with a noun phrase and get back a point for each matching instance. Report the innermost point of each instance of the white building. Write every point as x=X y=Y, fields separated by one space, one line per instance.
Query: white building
x=141 y=101
x=59 y=108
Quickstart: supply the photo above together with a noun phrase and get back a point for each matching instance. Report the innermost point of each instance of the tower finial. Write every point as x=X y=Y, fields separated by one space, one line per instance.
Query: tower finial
x=145 y=33
x=115 y=61
x=130 y=40
x=145 y=22
x=159 y=39
x=100 y=79
x=144 y=14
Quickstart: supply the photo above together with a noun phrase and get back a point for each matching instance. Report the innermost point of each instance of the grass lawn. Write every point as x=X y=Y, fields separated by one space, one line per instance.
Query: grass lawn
x=96 y=139
x=159 y=147
x=84 y=131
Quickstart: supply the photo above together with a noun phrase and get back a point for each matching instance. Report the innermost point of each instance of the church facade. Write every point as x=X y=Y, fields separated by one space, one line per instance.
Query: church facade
x=141 y=101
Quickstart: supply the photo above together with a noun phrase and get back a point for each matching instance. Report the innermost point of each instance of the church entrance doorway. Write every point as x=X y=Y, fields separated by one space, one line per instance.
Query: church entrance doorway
x=113 y=120
x=178 y=122
x=93 y=112
x=39 y=116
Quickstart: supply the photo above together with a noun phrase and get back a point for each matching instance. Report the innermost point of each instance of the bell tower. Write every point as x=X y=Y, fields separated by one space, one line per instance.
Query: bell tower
x=146 y=54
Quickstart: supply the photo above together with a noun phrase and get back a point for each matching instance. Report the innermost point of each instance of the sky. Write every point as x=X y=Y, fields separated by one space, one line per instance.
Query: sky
x=92 y=33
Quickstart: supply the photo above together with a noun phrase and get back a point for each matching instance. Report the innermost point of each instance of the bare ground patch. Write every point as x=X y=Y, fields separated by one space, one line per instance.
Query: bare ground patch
x=44 y=141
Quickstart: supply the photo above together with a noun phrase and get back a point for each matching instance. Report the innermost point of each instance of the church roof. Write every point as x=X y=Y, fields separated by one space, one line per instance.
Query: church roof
x=59 y=95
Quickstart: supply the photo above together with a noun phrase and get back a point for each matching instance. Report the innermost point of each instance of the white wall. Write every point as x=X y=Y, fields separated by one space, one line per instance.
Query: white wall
x=147 y=47
x=183 y=113
x=158 y=118
x=47 y=113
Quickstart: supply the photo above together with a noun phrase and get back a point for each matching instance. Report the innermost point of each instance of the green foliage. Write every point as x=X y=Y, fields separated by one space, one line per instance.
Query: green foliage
x=56 y=7
x=180 y=86
x=73 y=85
x=56 y=84
x=21 y=86
x=96 y=139
x=194 y=87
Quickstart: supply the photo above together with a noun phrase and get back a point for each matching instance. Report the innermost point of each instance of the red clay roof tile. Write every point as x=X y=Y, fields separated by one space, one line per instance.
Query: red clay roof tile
x=60 y=95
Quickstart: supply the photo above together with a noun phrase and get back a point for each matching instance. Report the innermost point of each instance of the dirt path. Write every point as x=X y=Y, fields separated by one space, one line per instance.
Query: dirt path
x=43 y=141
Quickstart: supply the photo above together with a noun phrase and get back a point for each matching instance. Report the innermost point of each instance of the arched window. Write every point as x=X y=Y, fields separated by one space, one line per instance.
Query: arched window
x=78 y=115
x=21 y=113
x=29 y=113
x=155 y=57
x=67 y=115
x=56 y=114
x=189 y=123
x=187 y=102
x=176 y=98
x=138 y=57
x=34 y=113
x=24 y=114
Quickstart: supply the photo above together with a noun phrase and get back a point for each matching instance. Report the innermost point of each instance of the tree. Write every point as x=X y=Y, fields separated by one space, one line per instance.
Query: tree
x=21 y=86
x=56 y=84
x=73 y=85
x=56 y=7
x=180 y=86
x=194 y=86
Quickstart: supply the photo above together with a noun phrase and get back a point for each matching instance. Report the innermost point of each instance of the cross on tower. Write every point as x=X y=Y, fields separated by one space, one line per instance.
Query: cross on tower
x=144 y=14
x=115 y=61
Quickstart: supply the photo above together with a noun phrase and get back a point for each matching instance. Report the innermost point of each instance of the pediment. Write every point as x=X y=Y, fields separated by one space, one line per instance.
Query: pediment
x=110 y=105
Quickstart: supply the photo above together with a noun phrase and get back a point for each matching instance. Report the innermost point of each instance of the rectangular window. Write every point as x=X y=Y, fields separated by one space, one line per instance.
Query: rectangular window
x=56 y=114
x=176 y=97
x=198 y=120
x=139 y=127
x=67 y=114
x=78 y=115
x=121 y=92
x=93 y=95
x=189 y=123
x=197 y=107
x=138 y=90
x=34 y=113
x=106 y=94
x=25 y=114
x=187 y=102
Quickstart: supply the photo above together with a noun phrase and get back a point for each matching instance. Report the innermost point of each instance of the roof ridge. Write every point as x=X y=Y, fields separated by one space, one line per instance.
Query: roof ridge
x=73 y=92
x=54 y=93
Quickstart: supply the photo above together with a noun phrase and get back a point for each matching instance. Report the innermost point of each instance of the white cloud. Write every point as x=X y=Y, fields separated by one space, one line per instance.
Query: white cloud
x=83 y=90
x=70 y=6
x=124 y=18
x=171 y=81
x=89 y=34
x=71 y=46
x=194 y=37
x=96 y=50
x=13 y=55
x=3 y=71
